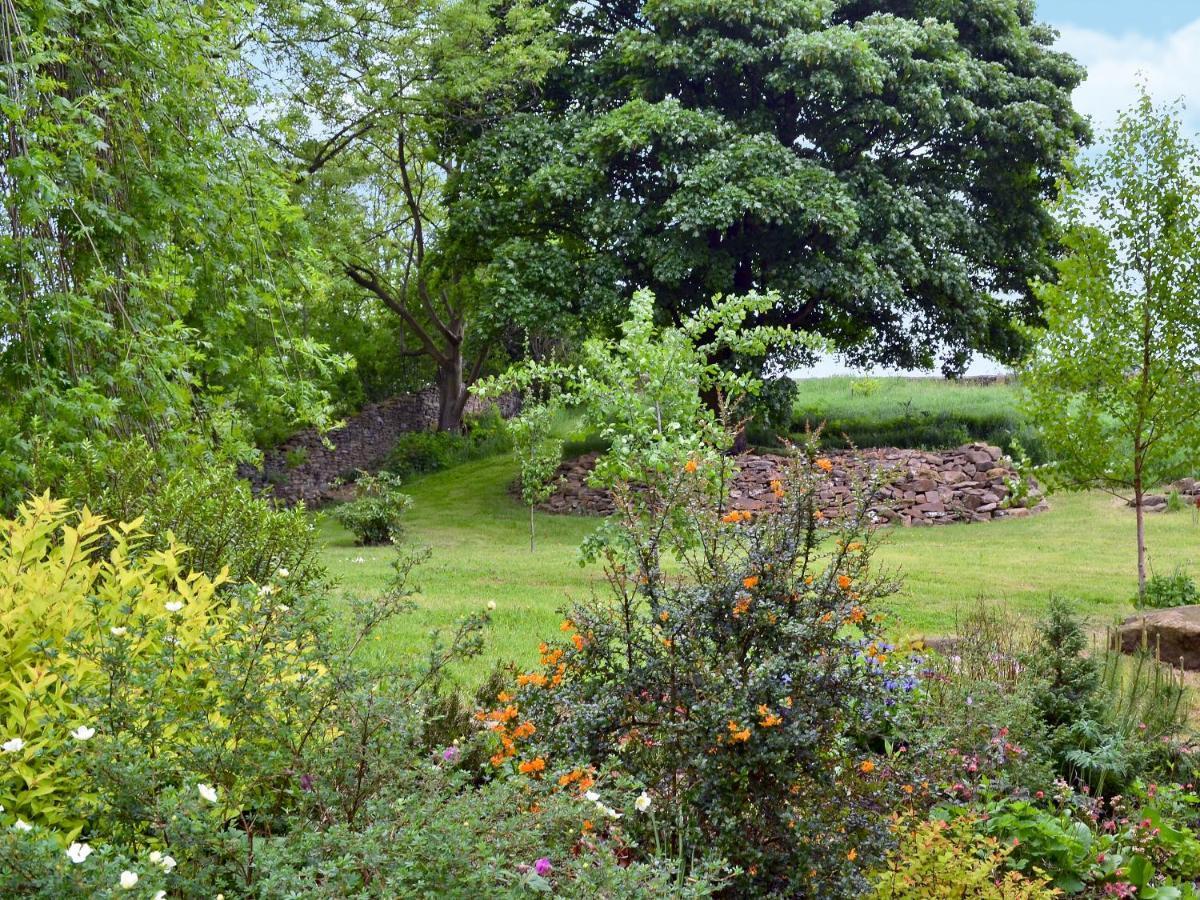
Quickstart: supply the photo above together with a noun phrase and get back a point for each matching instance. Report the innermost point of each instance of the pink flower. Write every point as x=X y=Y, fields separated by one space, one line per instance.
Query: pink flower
x=543 y=867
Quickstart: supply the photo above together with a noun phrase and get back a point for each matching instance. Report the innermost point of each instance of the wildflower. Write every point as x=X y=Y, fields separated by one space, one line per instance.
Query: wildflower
x=642 y=803
x=174 y=606
x=777 y=487
x=852 y=855
x=208 y=792
x=118 y=630
x=608 y=811
x=690 y=466
x=737 y=733
x=22 y=825
x=491 y=604
x=13 y=745
x=83 y=733
x=267 y=590
x=504 y=697
x=750 y=582
x=866 y=767
x=577 y=640
x=78 y=852
x=844 y=581
x=566 y=625
x=497 y=759
x=857 y=615
x=664 y=616
x=450 y=754
x=128 y=880
x=824 y=465
x=543 y=867
x=741 y=607
x=532 y=766
x=587 y=826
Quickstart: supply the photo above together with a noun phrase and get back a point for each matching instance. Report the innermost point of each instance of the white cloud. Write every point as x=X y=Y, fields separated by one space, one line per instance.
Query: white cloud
x=1170 y=66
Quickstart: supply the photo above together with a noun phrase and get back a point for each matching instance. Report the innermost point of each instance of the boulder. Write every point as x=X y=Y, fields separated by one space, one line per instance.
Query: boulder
x=1174 y=634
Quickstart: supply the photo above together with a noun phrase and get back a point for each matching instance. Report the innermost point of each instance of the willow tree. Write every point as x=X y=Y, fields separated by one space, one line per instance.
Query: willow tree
x=152 y=264
x=1114 y=382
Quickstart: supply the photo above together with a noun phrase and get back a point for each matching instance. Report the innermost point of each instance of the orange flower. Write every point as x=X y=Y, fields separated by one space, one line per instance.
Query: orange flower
x=532 y=766
x=824 y=465
x=587 y=826
x=855 y=546
x=844 y=581
x=504 y=697
x=866 y=767
x=827 y=618
x=566 y=625
x=787 y=701
x=664 y=616
x=818 y=515
x=732 y=517
x=577 y=640
x=741 y=607
x=852 y=855
x=857 y=615
x=750 y=582
x=908 y=789
x=769 y=719
x=777 y=487
x=666 y=642
x=537 y=679
x=524 y=730
x=690 y=466
x=737 y=732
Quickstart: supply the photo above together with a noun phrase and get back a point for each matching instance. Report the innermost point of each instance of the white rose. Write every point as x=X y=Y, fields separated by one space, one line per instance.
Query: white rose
x=643 y=802
x=128 y=879
x=283 y=573
x=118 y=630
x=174 y=606
x=22 y=825
x=593 y=796
x=167 y=863
x=13 y=745
x=83 y=733
x=208 y=792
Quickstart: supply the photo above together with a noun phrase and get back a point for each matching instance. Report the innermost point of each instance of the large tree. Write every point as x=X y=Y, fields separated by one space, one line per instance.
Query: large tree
x=881 y=164
x=382 y=103
x=1114 y=381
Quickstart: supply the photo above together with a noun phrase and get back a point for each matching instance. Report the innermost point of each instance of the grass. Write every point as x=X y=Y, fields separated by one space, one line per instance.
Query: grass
x=930 y=413
x=1082 y=549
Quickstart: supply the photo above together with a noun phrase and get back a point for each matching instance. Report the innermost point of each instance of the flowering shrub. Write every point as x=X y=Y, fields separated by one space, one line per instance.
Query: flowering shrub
x=56 y=592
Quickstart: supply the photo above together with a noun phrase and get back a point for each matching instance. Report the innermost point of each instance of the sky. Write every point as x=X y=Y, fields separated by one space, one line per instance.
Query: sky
x=1119 y=42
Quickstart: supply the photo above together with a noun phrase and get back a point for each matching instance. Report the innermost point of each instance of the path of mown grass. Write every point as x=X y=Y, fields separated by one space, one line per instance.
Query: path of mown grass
x=1082 y=549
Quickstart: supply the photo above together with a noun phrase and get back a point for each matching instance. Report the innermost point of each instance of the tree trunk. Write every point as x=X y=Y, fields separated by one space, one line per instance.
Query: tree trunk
x=452 y=392
x=1141 y=534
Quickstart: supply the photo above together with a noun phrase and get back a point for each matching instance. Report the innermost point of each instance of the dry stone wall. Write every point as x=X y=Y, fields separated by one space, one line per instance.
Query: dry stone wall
x=919 y=488
x=307 y=465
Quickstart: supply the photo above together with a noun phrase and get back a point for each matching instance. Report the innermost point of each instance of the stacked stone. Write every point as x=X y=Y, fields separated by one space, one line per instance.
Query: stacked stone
x=916 y=487
x=307 y=466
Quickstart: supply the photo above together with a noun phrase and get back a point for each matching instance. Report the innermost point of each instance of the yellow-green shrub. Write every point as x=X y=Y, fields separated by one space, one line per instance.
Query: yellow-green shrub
x=56 y=589
x=951 y=859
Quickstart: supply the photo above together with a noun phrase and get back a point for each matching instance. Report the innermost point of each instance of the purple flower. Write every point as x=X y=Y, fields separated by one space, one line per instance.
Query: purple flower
x=543 y=867
x=306 y=782
x=450 y=754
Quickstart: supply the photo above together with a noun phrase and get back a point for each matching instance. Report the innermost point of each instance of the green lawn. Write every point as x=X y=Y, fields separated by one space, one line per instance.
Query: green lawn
x=1082 y=548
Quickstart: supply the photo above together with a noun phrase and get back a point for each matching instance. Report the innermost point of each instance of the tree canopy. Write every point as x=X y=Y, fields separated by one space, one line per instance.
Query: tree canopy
x=882 y=166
